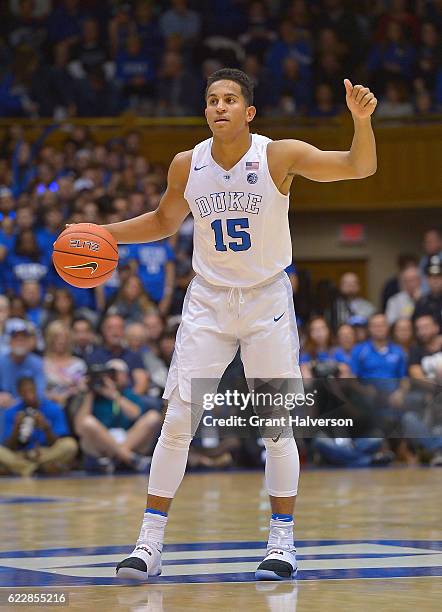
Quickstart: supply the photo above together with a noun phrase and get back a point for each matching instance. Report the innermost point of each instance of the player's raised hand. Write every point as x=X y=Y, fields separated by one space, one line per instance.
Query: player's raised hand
x=360 y=100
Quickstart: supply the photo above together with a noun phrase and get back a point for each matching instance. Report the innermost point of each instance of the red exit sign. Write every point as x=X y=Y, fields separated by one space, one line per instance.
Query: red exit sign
x=352 y=233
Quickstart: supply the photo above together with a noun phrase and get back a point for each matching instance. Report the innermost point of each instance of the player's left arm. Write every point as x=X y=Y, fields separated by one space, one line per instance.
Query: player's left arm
x=359 y=162
x=169 y=283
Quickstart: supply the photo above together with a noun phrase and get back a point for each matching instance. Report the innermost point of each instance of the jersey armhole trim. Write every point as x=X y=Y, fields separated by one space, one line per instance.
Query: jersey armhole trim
x=283 y=195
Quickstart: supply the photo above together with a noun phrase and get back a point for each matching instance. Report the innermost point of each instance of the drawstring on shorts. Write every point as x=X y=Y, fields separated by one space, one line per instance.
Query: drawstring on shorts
x=231 y=298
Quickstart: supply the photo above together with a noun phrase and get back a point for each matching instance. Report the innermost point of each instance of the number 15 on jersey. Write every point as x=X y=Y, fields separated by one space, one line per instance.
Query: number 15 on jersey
x=234 y=229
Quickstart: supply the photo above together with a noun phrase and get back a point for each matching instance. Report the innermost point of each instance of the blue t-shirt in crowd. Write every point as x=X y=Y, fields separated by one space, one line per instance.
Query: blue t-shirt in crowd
x=35 y=315
x=134 y=66
x=342 y=356
x=372 y=364
x=83 y=298
x=320 y=356
x=112 y=285
x=21 y=268
x=151 y=259
x=30 y=367
x=111 y=415
x=102 y=355
x=7 y=240
x=46 y=239
x=52 y=413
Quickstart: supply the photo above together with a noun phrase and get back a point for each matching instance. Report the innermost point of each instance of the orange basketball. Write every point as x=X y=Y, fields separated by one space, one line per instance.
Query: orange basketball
x=85 y=255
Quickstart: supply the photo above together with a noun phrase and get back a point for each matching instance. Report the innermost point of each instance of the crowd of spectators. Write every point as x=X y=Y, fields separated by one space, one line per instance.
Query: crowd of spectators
x=84 y=369
x=99 y=58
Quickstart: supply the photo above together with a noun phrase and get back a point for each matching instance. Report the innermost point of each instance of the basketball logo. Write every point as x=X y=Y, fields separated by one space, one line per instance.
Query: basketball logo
x=252 y=178
x=85 y=255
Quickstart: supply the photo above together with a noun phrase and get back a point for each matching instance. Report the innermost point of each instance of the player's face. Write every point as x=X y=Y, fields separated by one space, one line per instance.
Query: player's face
x=226 y=110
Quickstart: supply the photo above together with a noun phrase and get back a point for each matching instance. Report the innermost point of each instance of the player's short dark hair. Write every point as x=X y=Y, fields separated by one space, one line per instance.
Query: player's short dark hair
x=238 y=76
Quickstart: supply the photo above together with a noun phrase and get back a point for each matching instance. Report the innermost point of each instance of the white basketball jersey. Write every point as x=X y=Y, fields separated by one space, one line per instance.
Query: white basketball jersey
x=241 y=231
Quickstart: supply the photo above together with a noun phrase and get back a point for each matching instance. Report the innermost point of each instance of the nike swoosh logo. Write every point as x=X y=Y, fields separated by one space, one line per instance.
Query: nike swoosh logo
x=200 y=168
x=275 y=440
x=277 y=318
x=90 y=264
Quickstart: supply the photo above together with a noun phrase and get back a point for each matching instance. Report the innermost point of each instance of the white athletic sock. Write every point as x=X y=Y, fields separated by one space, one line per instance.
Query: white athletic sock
x=281 y=532
x=152 y=529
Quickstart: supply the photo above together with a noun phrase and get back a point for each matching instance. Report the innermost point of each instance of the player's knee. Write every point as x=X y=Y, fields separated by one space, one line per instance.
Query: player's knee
x=174 y=441
x=177 y=426
x=285 y=445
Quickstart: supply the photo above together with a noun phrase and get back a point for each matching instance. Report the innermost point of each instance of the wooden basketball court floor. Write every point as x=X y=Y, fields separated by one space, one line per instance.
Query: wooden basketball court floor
x=367 y=540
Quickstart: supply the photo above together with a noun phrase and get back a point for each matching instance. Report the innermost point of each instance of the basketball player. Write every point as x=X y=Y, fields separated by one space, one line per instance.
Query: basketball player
x=236 y=185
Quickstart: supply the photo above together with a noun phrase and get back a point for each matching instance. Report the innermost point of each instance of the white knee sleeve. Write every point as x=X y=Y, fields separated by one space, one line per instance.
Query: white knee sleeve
x=282 y=467
x=170 y=456
x=176 y=429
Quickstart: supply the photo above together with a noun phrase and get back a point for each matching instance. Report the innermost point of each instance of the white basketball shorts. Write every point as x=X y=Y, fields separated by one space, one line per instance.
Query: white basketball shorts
x=216 y=320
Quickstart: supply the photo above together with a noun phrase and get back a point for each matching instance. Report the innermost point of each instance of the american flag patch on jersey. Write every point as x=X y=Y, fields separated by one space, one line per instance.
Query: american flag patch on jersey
x=252 y=165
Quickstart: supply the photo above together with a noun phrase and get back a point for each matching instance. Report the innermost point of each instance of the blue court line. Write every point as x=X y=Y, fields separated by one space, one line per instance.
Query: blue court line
x=17 y=578
x=35 y=500
x=103 y=550
x=205 y=560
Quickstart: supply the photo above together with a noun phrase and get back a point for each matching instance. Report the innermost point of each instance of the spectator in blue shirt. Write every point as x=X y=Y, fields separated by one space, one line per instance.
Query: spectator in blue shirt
x=36 y=436
x=346 y=339
x=26 y=262
x=112 y=330
x=135 y=70
x=379 y=363
x=19 y=362
x=325 y=104
x=180 y=20
x=394 y=58
x=294 y=82
x=52 y=226
x=64 y=23
x=148 y=31
x=290 y=44
x=156 y=269
x=31 y=293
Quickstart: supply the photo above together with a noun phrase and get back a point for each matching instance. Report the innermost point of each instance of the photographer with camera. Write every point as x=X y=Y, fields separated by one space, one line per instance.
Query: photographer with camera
x=36 y=436
x=112 y=424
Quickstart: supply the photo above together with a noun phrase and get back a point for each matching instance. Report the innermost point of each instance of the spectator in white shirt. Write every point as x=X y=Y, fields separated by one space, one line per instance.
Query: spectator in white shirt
x=402 y=304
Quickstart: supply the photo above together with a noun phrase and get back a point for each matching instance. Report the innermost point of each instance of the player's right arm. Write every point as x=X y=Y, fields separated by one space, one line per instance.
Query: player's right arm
x=167 y=218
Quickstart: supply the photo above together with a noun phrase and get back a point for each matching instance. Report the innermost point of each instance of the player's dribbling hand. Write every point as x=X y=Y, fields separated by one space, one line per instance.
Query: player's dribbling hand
x=360 y=100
